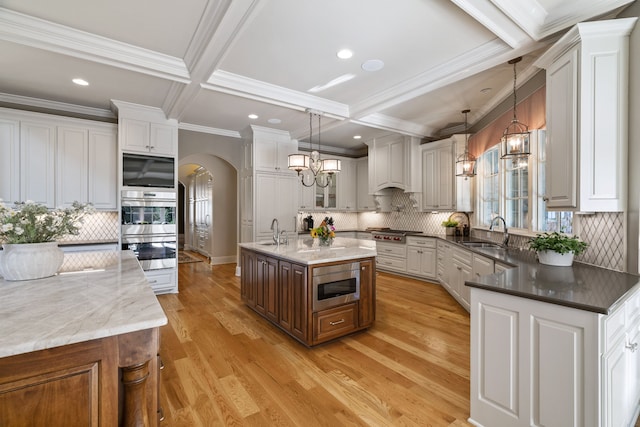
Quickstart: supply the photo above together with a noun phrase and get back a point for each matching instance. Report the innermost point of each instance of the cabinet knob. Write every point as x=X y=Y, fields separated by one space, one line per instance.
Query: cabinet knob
x=545 y=199
x=362 y=268
x=631 y=346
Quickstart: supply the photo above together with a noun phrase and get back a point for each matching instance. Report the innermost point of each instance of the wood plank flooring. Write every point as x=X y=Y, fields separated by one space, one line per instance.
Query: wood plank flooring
x=226 y=366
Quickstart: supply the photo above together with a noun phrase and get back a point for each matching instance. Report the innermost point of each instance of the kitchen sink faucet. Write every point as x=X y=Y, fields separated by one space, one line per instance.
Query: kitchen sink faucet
x=505 y=241
x=276 y=231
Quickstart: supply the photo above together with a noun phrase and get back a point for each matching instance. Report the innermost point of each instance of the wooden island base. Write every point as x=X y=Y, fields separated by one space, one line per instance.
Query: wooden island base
x=281 y=291
x=111 y=381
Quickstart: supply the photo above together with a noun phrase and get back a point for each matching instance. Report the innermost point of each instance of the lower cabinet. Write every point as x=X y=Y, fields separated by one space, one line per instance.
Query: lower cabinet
x=162 y=281
x=281 y=291
x=392 y=257
x=535 y=363
x=421 y=257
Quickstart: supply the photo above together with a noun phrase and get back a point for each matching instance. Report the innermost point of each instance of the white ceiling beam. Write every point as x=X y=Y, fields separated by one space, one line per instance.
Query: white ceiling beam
x=209 y=130
x=29 y=31
x=493 y=19
x=392 y=124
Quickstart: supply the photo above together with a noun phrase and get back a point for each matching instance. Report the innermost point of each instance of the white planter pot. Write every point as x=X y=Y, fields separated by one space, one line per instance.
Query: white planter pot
x=556 y=259
x=29 y=261
x=450 y=231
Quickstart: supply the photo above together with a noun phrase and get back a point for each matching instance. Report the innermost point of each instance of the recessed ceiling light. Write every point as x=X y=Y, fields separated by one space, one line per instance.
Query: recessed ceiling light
x=372 y=65
x=357 y=136
x=275 y=121
x=344 y=54
x=80 y=82
x=253 y=116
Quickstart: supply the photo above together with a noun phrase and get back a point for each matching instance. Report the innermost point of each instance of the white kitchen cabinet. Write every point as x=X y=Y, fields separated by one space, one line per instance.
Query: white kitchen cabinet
x=587 y=117
x=145 y=129
x=443 y=264
x=148 y=137
x=421 y=257
x=394 y=162
x=162 y=281
x=482 y=266
x=271 y=149
x=391 y=257
x=346 y=186
x=544 y=364
x=461 y=271
x=365 y=201
x=37 y=162
x=438 y=174
x=9 y=160
x=86 y=166
x=275 y=198
x=103 y=168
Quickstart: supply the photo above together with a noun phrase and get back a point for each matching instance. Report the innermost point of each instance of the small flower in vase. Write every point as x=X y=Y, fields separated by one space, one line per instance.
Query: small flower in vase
x=325 y=232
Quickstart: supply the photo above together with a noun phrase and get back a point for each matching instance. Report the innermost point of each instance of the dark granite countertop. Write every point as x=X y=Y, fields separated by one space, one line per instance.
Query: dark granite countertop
x=582 y=286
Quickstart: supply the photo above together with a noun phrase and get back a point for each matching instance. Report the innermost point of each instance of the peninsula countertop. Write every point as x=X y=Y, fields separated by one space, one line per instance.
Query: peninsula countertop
x=308 y=250
x=96 y=294
x=581 y=286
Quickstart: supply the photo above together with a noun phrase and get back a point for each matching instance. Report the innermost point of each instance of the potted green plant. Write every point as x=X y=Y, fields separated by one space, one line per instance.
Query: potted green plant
x=450 y=227
x=556 y=248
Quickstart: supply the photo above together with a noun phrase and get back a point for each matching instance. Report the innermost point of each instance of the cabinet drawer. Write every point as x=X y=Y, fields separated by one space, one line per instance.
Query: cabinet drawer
x=391 y=249
x=424 y=242
x=463 y=256
x=334 y=322
x=161 y=281
x=391 y=263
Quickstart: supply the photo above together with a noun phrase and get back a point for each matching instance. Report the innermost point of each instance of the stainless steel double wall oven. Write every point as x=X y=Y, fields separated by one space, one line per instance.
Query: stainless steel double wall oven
x=149 y=227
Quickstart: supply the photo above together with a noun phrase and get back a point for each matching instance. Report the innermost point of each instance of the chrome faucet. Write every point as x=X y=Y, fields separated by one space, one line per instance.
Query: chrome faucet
x=505 y=241
x=276 y=231
x=284 y=238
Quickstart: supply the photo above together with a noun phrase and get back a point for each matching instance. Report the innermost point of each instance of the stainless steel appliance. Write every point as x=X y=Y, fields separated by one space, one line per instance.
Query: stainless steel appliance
x=335 y=285
x=389 y=235
x=140 y=170
x=148 y=224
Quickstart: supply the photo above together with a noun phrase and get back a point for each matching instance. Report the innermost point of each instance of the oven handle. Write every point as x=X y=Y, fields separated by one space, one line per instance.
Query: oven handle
x=148 y=238
x=155 y=203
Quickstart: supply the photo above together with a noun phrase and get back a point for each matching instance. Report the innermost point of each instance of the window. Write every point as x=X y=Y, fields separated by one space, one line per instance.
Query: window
x=514 y=189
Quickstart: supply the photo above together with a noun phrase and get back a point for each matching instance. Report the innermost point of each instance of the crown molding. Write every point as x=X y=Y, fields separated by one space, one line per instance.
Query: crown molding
x=56 y=106
x=29 y=31
x=209 y=130
x=234 y=84
x=392 y=124
x=492 y=18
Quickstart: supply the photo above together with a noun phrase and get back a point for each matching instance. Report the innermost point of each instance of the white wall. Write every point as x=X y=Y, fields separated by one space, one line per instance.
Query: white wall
x=216 y=154
x=633 y=217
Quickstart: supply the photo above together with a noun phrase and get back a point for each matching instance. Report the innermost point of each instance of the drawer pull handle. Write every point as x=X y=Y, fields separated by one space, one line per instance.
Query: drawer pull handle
x=633 y=347
x=337 y=322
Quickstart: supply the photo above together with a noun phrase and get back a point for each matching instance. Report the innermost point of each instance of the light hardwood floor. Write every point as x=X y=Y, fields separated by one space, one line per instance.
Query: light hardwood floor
x=226 y=366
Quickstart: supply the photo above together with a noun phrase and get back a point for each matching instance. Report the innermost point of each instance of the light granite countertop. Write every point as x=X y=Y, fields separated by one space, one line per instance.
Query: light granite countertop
x=308 y=250
x=97 y=294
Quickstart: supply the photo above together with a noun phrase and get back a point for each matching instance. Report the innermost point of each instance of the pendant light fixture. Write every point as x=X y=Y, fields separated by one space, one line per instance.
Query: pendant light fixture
x=515 y=138
x=466 y=162
x=321 y=170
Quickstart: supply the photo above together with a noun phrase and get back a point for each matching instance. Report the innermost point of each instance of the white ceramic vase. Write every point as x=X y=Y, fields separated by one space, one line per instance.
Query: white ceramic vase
x=556 y=259
x=27 y=261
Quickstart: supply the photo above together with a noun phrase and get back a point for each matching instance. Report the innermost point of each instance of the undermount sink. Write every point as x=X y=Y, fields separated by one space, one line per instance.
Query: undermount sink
x=268 y=243
x=482 y=245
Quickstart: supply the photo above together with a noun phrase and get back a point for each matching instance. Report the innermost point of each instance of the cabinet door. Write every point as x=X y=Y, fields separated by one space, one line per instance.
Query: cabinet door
x=367 y=303
x=103 y=169
x=428 y=263
x=247 y=278
x=9 y=161
x=163 y=139
x=562 y=132
x=72 y=153
x=365 y=200
x=285 y=308
x=346 y=186
x=482 y=266
x=446 y=175
x=413 y=259
x=37 y=163
x=134 y=135
x=266 y=154
x=430 y=180
x=300 y=312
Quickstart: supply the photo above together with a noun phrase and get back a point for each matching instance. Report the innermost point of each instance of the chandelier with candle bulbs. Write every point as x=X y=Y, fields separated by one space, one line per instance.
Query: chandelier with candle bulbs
x=312 y=169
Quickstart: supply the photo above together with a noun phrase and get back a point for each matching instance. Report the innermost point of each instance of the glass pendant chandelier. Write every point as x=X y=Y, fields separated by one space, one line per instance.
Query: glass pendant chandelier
x=515 y=138
x=466 y=162
x=312 y=169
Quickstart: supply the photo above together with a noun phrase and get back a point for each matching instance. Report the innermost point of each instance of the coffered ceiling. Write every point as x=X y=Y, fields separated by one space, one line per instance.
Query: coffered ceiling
x=211 y=63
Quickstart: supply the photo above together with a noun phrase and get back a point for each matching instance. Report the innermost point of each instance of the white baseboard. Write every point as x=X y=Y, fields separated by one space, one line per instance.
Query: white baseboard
x=238 y=271
x=223 y=260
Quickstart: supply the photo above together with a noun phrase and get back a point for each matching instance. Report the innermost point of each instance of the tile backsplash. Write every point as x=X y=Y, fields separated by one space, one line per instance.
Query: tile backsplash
x=604 y=232
x=97 y=227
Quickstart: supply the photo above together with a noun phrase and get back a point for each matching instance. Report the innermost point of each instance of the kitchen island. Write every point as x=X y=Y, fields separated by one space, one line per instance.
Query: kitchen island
x=281 y=282
x=554 y=346
x=81 y=347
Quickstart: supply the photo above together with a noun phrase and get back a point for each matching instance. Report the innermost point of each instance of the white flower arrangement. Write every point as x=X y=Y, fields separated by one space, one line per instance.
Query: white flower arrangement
x=30 y=222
